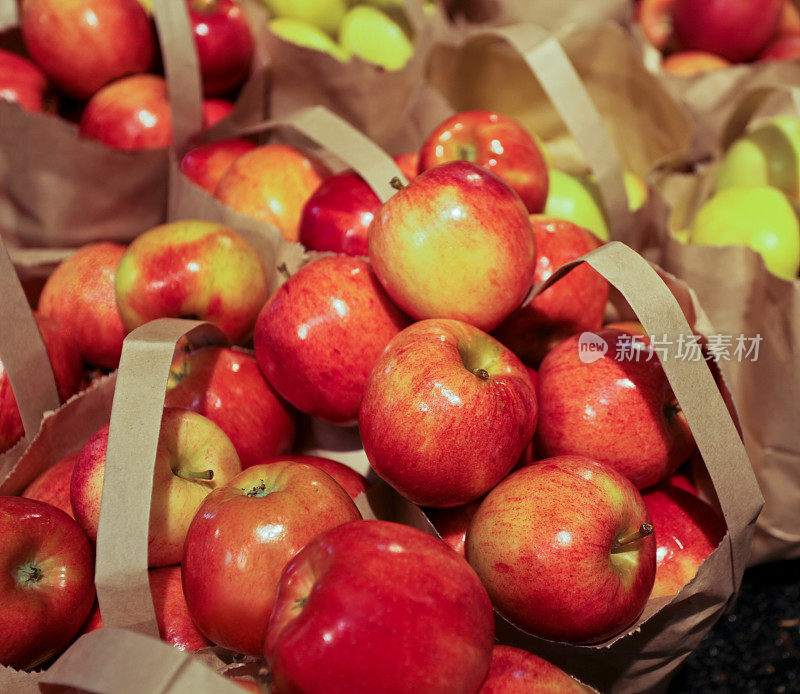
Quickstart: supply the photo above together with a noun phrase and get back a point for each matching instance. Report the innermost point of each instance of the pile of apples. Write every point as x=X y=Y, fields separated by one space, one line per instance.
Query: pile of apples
x=94 y=61
x=551 y=478
x=757 y=197
x=376 y=31
x=697 y=36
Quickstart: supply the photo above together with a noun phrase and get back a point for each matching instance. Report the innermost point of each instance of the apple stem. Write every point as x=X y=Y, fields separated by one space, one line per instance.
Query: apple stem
x=644 y=530
x=672 y=409
x=396 y=183
x=196 y=474
x=483 y=374
x=284 y=271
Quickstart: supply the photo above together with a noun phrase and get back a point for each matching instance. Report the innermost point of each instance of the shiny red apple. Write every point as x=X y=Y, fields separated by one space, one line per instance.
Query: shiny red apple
x=616 y=407
x=22 y=82
x=206 y=164
x=52 y=485
x=381 y=608
x=242 y=537
x=83 y=45
x=514 y=671
x=320 y=333
x=565 y=549
x=495 y=142
x=452 y=523
x=782 y=48
x=455 y=243
x=347 y=478
x=215 y=110
x=573 y=304
x=46 y=581
x=227 y=386
x=447 y=411
x=80 y=295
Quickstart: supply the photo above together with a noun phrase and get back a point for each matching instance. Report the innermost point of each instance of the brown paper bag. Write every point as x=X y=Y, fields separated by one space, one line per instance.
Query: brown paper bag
x=550 y=14
x=743 y=298
x=58 y=189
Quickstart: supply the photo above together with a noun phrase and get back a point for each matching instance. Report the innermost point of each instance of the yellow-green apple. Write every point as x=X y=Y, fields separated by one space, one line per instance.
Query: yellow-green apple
x=690 y=63
x=52 y=485
x=307 y=35
x=192 y=269
x=655 y=19
x=614 y=405
x=768 y=155
x=759 y=217
x=735 y=29
x=382 y=608
x=175 y=625
x=514 y=671
x=205 y=165
x=227 y=386
x=572 y=199
x=46 y=581
x=348 y=479
x=781 y=48
x=83 y=45
x=375 y=37
x=574 y=304
x=224 y=44
x=193 y=458
x=687 y=530
x=497 y=143
x=318 y=336
x=447 y=412
x=272 y=183
x=22 y=82
x=67 y=369
x=455 y=243
x=565 y=549
x=241 y=538
x=80 y=295
x=325 y=15
x=452 y=523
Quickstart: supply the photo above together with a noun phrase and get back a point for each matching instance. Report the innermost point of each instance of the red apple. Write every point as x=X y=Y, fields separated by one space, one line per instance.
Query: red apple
x=789 y=23
x=80 y=294
x=497 y=143
x=455 y=243
x=175 y=626
x=215 y=110
x=192 y=269
x=242 y=537
x=687 y=530
x=224 y=44
x=347 y=478
x=618 y=409
x=683 y=479
x=690 y=63
x=452 y=524
x=565 y=550
x=227 y=386
x=337 y=216
x=272 y=183
x=785 y=47
x=514 y=671
x=446 y=413
x=408 y=163
x=21 y=82
x=734 y=29
x=193 y=458
x=46 y=581
x=381 y=608
x=66 y=363
x=85 y=44
x=655 y=18
x=320 y=333
x=52 y=486
x=574 y=304
x=206 y=164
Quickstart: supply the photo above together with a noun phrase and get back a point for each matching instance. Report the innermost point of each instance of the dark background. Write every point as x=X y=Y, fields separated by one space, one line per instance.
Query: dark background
x=755 y=648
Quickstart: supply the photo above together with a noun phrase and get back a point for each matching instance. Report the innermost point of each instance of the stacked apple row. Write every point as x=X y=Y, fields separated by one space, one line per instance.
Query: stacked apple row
x=698 y=36
x=454 y=418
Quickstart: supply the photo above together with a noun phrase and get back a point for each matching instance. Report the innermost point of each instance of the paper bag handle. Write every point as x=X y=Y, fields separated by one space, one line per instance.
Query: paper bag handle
x=541 y=51
x=749 y=106
x=123 y=588
x=24 y=359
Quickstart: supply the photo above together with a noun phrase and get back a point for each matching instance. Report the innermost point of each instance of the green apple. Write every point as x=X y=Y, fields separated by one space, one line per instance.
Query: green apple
x=573 y=198
x=767 y=156
x=759 y=217
x=375 y=37
x=681 y=235
x=324 y=14
x=308 y=36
